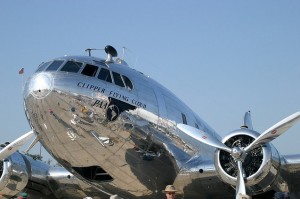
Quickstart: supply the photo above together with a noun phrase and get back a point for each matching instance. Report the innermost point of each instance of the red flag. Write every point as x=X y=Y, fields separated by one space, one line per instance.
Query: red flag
x=21 y=71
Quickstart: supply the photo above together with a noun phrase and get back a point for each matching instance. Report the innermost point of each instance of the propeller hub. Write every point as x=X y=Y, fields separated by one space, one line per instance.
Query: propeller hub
x=238 y=141
x=238 y=154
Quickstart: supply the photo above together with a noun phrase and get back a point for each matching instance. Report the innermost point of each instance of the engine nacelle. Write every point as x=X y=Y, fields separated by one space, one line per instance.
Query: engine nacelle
x=40 y=180
x=261 y=165
x=14 y=175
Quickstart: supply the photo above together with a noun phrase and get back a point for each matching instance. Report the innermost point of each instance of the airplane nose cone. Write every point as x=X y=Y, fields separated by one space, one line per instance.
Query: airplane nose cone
x=40 y=85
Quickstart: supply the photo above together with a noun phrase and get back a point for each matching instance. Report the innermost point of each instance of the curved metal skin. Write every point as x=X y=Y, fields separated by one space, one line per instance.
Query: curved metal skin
x=124 y=140
x=129 y=136
x=14 y=176
x=137 y=147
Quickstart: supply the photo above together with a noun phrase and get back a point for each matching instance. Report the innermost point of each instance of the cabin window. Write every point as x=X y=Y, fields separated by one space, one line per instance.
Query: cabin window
x=184 y=121
x=200 y=124
x=118 y=79
x=54 y=65
x=104 y=74
x=128 y=83
x=89 y=70
x=72 y=66
x=42 y=66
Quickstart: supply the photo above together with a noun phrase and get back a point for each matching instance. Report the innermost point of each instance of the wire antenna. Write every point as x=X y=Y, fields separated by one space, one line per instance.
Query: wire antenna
x=124 y=49
x=123 y=52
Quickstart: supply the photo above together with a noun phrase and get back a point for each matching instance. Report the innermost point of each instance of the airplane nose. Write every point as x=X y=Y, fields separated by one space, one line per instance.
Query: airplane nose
x=40 y=85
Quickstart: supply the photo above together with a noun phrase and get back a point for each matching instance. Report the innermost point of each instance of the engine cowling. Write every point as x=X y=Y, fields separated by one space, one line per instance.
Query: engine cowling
x=261 y=165
x=14 y=175
x=19 y=172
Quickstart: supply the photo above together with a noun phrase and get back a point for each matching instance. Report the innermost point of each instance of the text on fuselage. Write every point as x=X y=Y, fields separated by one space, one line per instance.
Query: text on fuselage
x=91 y=87
x=111 y=93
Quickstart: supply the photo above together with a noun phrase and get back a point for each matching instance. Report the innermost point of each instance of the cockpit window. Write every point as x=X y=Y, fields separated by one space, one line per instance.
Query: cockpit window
x=72 y=66
x=118 y=79
x=104 y=74
x=184 y=121
x=90 y=70
x=128 y=83
x=54 y=65
x=42 y=66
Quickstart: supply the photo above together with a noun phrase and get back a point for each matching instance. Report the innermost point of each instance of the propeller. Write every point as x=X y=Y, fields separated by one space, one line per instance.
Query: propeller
x=203 y=137
x=33 y=143
x=248 y=121
x=239 y=153
x=274 y=131
x=240 y=188
x=15 y=145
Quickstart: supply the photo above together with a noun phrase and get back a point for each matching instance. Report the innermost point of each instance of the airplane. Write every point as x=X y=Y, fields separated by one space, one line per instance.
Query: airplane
x=124 y=134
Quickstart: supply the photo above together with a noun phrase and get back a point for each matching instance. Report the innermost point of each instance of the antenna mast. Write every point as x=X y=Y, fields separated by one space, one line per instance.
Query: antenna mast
x=123 y=52
x=90 y=49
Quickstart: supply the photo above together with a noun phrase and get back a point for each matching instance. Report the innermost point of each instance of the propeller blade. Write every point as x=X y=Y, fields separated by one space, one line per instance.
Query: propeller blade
x=33 y=143
x=15 y=145
x=274 y=131
x=248 y=121
x=240 y=187
x=203 y=137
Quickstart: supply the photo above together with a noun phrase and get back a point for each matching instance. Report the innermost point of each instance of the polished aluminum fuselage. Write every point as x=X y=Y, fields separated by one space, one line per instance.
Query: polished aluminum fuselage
x=138 y=148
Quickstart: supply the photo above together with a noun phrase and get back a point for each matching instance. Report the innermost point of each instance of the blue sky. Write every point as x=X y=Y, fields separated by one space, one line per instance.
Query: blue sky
x=222 y=58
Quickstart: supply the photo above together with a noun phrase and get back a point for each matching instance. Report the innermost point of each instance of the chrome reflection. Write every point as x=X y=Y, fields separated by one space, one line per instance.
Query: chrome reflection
x=41 y=85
